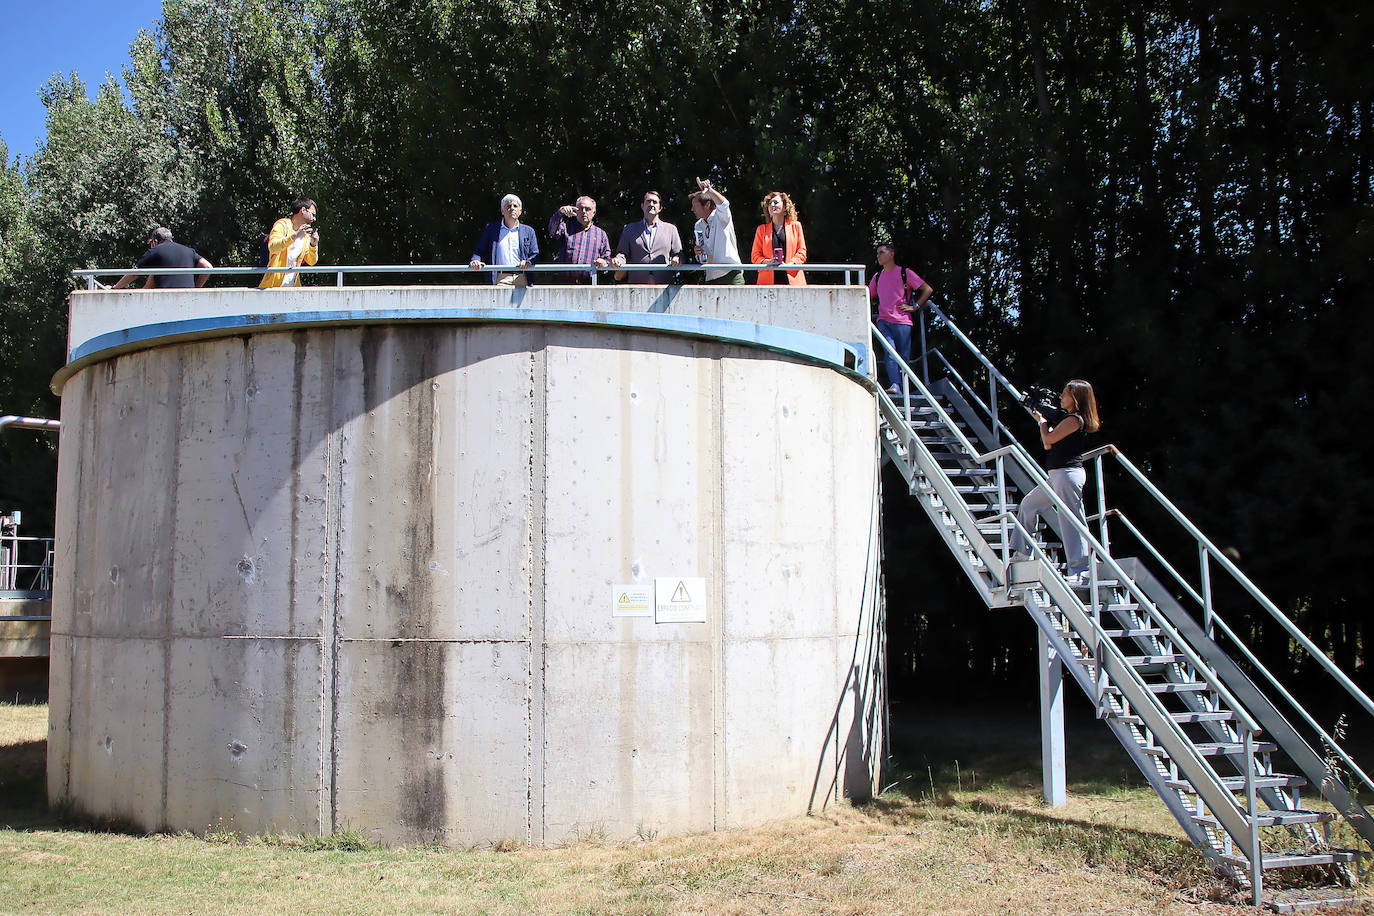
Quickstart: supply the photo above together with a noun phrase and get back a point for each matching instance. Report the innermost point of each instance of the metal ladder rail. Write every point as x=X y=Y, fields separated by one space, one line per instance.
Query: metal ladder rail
x=917 y=464
x=1254 y=766
x=1152 y=766
x=1207 y=552
x=1313 y=766
x=1207 y=783
x=1212 y=617
x=969 y=526
x=1155 y=768
x=1273 y=787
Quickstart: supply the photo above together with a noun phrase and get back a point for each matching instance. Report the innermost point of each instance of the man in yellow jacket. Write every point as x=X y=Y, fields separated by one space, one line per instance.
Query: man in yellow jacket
x=292 y=243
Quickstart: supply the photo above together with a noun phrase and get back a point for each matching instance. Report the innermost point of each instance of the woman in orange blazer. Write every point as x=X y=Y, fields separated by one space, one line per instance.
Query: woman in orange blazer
x=784 y=231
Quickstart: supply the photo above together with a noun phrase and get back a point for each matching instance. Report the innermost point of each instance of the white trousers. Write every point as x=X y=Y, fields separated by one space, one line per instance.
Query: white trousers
x=1067 y=484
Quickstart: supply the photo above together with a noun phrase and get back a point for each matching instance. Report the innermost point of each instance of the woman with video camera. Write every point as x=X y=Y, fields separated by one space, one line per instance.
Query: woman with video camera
x=1064 y=441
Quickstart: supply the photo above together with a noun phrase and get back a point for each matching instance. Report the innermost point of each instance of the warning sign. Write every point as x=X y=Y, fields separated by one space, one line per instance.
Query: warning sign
x=632 y=600
x=680 y=599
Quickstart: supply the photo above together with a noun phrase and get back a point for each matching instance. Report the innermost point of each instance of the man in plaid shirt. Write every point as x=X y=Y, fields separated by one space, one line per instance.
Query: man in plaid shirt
x=577 y=240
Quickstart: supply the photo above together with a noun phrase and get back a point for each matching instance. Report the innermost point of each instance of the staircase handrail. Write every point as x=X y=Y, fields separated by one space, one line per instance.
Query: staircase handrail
x=1128 y=582
x=1253 y=590
x=1038 y=473
x=909 y=377
x=1098 y=551
x=1239 y=643
x=1108 y=656
x=959 y=335
x=1202 y=540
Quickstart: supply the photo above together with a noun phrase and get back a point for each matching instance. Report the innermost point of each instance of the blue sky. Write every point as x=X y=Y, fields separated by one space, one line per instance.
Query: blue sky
x=88 y=36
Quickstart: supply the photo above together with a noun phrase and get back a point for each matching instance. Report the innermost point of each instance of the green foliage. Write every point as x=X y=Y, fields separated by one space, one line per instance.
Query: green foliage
x=1173 y=201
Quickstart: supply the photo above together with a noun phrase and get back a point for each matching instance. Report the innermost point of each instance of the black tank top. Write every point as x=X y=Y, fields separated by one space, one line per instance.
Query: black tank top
x=1068 y=452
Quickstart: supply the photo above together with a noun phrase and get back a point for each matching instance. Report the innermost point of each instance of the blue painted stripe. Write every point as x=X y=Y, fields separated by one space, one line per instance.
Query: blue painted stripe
x=850 y=359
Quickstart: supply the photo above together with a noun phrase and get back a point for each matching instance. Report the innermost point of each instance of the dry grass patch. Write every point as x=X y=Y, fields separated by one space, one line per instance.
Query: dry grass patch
x=968 y=845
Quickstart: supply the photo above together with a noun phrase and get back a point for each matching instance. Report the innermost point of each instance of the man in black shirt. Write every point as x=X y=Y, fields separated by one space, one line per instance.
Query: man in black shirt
x=163 y=252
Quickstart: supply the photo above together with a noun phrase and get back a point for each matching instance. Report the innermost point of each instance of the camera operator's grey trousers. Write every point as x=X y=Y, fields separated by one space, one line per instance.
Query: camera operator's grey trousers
x=1067 y=484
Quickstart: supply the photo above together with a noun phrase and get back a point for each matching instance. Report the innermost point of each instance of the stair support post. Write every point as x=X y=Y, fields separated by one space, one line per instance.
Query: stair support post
x=1251 y=810
x=1051 y=722
x=1206 y=580
x=992 y=407
x=1101 y=505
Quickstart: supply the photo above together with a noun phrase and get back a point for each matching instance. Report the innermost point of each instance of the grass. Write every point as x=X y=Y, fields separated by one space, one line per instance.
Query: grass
x=962 y=831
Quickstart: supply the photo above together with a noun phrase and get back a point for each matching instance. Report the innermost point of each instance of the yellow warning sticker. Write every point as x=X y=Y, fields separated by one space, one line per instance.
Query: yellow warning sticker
x=632 y=600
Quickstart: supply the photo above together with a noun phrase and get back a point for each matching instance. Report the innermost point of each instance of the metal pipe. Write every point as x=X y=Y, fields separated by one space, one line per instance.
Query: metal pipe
x=1101 y=502
x=1206 y=579
x=925 y=361
x=1256 y=862
x=51 y=426
x=90 y=274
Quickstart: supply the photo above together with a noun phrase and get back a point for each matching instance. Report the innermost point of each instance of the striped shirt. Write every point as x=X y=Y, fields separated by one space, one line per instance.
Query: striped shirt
x=578 y=244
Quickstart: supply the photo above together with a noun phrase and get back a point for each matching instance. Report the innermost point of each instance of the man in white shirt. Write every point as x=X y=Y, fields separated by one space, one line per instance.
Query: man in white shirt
x=507 y=243
x=715 y=234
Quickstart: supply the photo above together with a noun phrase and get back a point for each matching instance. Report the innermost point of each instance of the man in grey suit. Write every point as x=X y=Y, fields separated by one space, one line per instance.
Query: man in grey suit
x=648 y=241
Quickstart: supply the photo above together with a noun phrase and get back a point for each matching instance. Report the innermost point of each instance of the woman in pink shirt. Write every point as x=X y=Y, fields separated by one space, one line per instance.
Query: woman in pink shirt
x=900 y=292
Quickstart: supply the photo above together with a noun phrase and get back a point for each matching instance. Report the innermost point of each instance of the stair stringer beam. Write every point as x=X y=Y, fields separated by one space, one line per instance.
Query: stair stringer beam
x=1275 y=725
x=928 y=504
x=1205 y=780
x=929 y=470
x=1148 y=765
x=982 y=433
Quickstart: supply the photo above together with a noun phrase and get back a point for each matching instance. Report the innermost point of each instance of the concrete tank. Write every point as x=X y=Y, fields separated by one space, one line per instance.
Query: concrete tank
x=375 y=561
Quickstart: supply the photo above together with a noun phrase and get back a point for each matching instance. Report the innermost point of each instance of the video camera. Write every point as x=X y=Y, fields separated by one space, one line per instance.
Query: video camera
x=1046 y=402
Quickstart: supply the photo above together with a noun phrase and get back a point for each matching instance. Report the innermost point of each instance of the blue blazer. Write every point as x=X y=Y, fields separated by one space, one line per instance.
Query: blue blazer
x=486 y=245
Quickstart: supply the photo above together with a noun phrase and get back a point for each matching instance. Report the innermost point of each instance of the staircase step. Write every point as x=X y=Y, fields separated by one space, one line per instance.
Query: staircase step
x=971 y=472
x=966 y=489
x=1215 y=749
x=1287 y=900
x=1296 y=858
x=1170 y=687
x=1185 y=718
x=1276 y=818
x=1101 y=584
x=1237 y=783
x=1131 y=632
x=1190 y=717
x=1168 y=658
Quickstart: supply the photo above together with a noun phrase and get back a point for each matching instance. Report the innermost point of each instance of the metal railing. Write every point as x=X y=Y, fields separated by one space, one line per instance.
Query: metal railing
x=38 y=423
x=1210 y=557
x=1096 y=550
x=1109 y=666
x=18 y=575
x=852 y=273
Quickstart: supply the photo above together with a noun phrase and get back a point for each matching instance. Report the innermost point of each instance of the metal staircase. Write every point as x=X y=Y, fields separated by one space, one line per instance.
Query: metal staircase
x=1244 y=783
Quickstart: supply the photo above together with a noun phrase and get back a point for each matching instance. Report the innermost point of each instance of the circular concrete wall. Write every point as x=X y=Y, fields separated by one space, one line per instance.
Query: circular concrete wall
x=372 y=576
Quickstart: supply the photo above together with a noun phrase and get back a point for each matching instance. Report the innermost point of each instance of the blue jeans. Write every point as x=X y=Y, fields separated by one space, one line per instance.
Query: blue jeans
x=899 y=335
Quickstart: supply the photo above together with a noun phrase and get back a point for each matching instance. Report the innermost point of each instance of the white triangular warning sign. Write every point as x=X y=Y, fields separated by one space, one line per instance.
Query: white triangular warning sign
x=680 y=595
